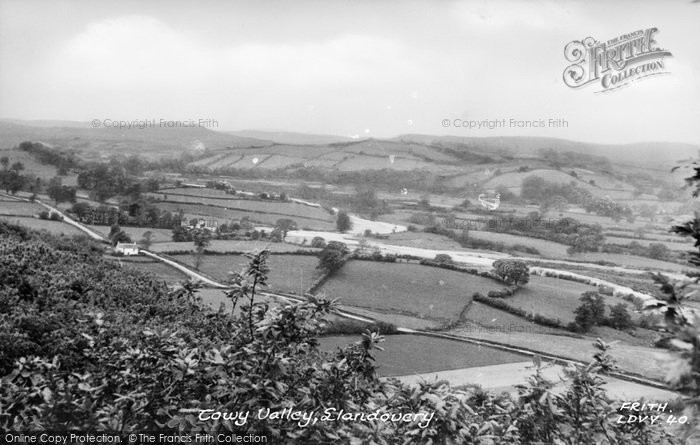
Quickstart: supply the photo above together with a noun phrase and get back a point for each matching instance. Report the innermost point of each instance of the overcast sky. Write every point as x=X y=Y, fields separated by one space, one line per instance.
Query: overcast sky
x=368 y=68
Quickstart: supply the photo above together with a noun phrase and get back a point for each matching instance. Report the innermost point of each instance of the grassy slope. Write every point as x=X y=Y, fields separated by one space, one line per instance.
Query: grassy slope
x=414 y=354
x=288 y=273
x=144 y=264
x=553 y=298
x=406 y=288
x=54 y=227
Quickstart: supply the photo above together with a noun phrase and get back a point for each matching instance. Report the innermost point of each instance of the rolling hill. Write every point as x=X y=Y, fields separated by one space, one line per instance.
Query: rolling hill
x=93 y=143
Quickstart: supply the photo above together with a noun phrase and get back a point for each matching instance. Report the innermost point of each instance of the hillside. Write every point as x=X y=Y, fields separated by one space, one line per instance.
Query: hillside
x=646 y=154
x=290 y=137
x=93 y=143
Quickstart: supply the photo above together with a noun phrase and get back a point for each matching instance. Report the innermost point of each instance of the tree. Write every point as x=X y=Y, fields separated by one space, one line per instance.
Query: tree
x=181 y=234
x=202 y=240
x=146 y=239
x=620 y=317
x=60 y=193
x=332 y=257
x=81 y=210
x=285 y=225
x=506 y=194
x=343 y=222
x=117 y=235
x=362 y=247
x=276 y=236
x=512 y=271
x=591 y=312
x=586 y=239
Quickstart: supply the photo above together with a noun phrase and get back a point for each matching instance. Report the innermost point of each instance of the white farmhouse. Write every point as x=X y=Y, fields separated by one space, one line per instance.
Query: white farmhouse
x=127 y=248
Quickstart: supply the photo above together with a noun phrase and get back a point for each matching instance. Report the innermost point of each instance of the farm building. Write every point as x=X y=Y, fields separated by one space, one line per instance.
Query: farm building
x=127 y=248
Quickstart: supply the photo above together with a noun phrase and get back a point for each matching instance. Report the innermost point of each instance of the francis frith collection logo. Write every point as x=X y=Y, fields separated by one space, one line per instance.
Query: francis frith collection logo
x=616 y=62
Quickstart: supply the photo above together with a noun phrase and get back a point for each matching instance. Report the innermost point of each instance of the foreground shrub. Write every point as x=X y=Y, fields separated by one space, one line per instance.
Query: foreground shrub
x=92 y=346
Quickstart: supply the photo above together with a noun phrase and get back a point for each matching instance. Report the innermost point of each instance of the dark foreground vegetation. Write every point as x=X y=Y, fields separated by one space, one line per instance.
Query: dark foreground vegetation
x=85 y=344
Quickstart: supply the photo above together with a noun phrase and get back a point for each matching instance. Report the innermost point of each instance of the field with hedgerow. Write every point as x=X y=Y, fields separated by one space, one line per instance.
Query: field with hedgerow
x=553 y=298
x=411 y=289
x=88 y=344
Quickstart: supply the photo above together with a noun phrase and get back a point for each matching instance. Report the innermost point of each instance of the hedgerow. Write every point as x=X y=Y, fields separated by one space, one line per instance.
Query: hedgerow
x=97 y=347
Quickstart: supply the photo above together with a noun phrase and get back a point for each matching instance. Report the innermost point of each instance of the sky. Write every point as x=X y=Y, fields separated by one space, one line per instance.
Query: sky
x=353 y=68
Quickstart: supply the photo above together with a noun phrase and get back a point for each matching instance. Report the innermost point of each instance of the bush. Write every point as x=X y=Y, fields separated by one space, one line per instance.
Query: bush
x=443 y=258
x=512 y=271
x=333 y=256
x=343 y=222
x=54 y=216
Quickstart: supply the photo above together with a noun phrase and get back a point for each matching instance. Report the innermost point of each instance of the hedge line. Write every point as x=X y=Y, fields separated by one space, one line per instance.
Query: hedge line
x=535 y=318
x=237 y=252
x=455 y=267
x=603 y=289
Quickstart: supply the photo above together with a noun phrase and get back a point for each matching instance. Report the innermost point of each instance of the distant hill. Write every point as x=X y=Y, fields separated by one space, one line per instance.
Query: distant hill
x=150 y=142
x=444 y=155
x=645 y=154
x=291 y=138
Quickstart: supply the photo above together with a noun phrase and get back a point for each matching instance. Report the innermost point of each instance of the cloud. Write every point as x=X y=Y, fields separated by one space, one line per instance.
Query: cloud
x=144 y=52
x=498 y=15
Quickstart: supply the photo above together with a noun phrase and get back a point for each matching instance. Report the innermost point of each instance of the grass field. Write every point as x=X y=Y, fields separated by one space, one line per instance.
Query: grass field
x=414 y=354
x=291 y=209
x=224 y=215
x=228 y=246
x=288 y=273
x=136 y=233
x=554 y=298
x=55 y=227
x=548 y=249
x=403 y=321
x=409 y=289
x=35 y=167
x=145 y=264
x=513 y=180
x=490 y=318
x=552 y=250
x=641 y=360
x=215 y=297
x=20 y=208
x=680 y=247
x=422 y=240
